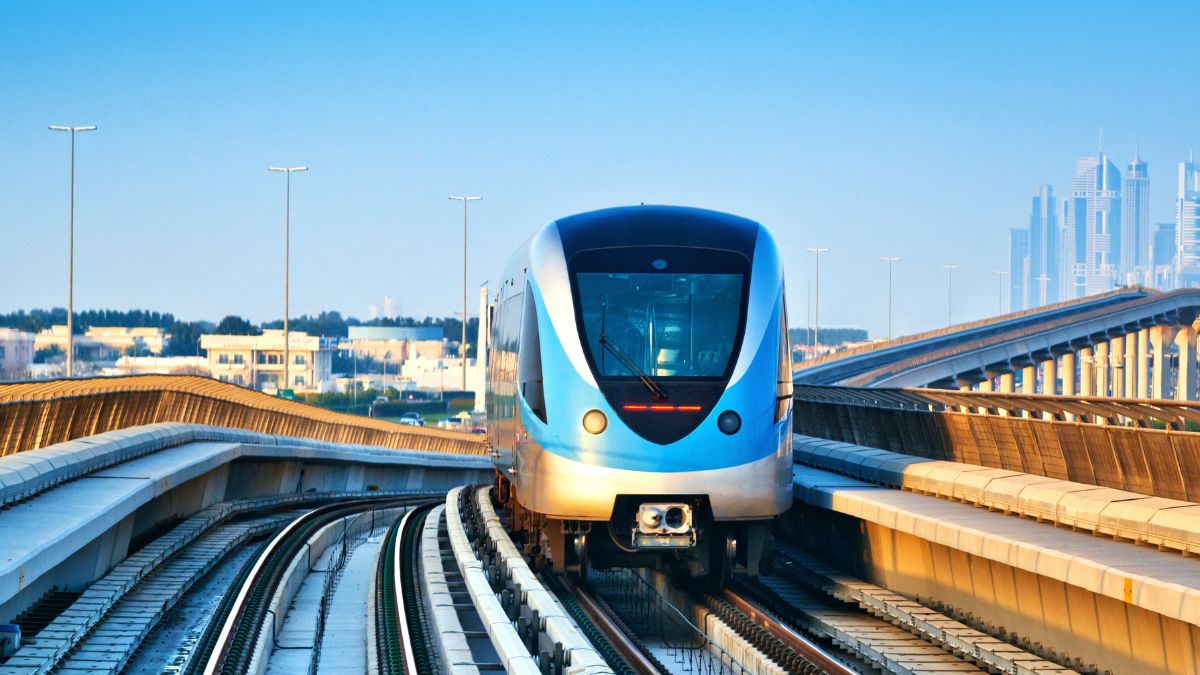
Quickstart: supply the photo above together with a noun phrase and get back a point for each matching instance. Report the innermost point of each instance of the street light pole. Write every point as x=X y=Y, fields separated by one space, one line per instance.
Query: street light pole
x=999 y=291
x=462 y=345
x=287 y=235
x=891 y=261
x=950 y=293
x=817 y=297
x=71 y=250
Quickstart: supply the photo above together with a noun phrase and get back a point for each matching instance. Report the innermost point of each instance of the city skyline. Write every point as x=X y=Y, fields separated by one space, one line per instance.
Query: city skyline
x=415 y=107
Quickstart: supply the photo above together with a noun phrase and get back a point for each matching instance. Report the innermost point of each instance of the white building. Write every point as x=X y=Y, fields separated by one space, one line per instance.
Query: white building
x=16 y=354
x=159 y=365
x=444 y=374
x=105 y=343
x=257 y=360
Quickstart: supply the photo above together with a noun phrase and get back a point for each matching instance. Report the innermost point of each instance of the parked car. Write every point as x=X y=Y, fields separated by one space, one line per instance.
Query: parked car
x=413 y=419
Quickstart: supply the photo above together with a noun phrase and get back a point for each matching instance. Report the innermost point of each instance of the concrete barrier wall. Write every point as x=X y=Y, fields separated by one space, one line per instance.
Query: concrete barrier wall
x=1157 y=462
x=1047 y=616
x=38 y=414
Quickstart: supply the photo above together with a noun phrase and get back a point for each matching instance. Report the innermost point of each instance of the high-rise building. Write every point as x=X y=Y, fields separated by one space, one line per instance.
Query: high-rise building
x=1187 y=226
x=1135 y=224
x=1090 y=231
x=1162 y=257
x=1042 y=284
x=1018 y=268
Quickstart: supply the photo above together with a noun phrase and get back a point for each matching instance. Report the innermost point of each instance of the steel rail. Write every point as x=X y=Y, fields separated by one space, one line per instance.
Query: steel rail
x=625 y=647
x=393 y=621
x=241 y=618
x=780 y=631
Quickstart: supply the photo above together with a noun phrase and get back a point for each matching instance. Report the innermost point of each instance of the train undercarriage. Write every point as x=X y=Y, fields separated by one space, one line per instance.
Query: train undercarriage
x=674 y=533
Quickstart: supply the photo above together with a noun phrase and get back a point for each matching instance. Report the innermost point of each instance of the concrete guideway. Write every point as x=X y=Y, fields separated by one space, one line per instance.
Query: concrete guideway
x=1116 y=345
x=1104 y=442
x=840 y=366
x=56 y=523
x=1123 y=515
x=41 y=413
x=74 y=510
x=1103 y=602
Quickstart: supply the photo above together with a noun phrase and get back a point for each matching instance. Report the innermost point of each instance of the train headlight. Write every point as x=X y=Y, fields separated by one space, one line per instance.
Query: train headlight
x=729 y=422
x=594 y=421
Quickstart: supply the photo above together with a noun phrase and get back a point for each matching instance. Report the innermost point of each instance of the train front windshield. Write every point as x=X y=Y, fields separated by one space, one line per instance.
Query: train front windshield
x=661 y=323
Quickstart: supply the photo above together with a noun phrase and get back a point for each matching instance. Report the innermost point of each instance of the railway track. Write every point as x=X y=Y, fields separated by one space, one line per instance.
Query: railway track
x=402 y=647
x=231 y=639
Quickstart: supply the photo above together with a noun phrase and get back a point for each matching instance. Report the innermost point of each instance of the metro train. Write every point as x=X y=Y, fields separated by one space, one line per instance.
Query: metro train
x=639 y=390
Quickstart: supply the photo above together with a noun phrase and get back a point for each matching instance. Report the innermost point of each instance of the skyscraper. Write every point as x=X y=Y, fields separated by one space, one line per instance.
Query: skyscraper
x=1163 y=257
x=1187 y=227
x=1090 y=231
x=1042 y=284
x=1019 y=268
x=1136 y=237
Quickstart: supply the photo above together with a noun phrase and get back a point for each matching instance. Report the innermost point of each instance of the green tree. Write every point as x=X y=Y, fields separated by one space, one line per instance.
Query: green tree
x=236 y=325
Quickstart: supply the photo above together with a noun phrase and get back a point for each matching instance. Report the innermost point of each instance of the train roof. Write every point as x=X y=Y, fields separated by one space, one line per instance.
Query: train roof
x=657 y=226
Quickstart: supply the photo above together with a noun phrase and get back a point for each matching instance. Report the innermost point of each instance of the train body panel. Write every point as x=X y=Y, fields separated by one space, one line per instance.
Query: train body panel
x=641 y=353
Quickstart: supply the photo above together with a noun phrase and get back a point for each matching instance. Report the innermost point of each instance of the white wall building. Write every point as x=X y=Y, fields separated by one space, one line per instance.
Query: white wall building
x=16 y=354
x=257 y=360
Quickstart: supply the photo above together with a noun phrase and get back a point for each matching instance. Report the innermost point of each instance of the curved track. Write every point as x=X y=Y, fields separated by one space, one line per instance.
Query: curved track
x=227 y=646
x=398 y=628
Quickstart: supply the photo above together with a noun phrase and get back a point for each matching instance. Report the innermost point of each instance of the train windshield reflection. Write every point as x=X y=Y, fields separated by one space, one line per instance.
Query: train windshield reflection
x=670 y=325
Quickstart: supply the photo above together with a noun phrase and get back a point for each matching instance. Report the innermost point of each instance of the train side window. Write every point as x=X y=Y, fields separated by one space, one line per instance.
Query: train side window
x=529 y=363
x=783 y=382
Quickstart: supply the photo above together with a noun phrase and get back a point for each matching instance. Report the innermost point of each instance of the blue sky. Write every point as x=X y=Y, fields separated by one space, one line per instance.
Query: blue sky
x=917 y=130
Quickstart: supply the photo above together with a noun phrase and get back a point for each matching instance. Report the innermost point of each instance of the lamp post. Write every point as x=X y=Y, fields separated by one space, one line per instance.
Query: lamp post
x=462 y=345
x=891 y=261
x=950 y=293
x=287 y=233
x=999 y=291
x=817 y=296
x=71 y=250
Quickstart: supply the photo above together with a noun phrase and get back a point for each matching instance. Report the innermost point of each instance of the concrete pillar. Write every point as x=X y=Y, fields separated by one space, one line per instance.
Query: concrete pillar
x=1085 y=372
x=1101 y=365
x=1028 y=380
x=986 y=384
x=1068 y=374
x=1143 y=364
x=1185 y=370
x=1130 y=365
x=1049 y=377
x=1116 y=367
x=1006 y=383
x=1160 y=344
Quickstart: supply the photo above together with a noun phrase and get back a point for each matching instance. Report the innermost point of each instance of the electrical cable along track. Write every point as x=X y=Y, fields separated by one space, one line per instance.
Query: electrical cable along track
x=230 y=641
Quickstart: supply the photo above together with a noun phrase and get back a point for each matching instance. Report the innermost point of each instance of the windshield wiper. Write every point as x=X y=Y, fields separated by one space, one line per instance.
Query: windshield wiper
x=632 y=366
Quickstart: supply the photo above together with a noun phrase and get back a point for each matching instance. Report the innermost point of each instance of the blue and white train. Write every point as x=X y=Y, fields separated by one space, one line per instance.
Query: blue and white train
x=639 y=390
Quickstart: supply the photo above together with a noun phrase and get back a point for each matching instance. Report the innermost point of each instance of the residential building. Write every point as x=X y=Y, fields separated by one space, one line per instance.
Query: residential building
x=1187 y=226
x=257 y=360
x=16 y=354
x=1136 y=237
x=105 y=343
x=1090 y=229
x=1018 y=267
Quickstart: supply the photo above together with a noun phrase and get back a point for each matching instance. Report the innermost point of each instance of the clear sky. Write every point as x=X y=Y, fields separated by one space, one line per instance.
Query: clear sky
x=910 y=129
